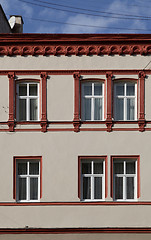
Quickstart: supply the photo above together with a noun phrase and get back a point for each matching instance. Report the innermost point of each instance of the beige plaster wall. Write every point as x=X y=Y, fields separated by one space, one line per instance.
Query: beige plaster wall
x=74 y=62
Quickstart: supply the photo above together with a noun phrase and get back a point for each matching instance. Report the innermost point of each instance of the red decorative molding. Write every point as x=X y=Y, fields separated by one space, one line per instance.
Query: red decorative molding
x=75 y=44
x=43 y=122
x=118 y=230
x=11 y=123
x=76 y=119
x=109 y=122
x=141 y=120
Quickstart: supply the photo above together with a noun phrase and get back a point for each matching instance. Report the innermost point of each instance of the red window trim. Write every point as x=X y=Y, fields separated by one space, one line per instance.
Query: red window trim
x=80 y=158
x=76 y=119
x=15 y=158
x=12 y=99
x=138 y=170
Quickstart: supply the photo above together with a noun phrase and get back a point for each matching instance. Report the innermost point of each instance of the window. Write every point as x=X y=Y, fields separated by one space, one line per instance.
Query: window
x=92 y=178
x=27 y=101
x=125 y=179
x=125 y=101
x=27 y=179
x=92 y=101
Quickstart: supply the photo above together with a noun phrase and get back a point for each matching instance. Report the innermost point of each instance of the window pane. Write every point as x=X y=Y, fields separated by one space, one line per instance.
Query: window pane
x=130 y=188
x=22 y=188
x=120 y=90
x=98 y=167
x=98 y=109
x=130 y=109
x=119 y=115
x=33 y=188
x=130 y=167
x=87 y=109
x=22 y=109
x=97 y=188
x=97 y=89
x=86 y=188
x=88 y=89
x=33 y=89
x=33 y=109
x=34 y=168
x=118 y=188
x=119 y=167
x=22 y=89
x=130 y=90
x=86 y=167
x=22 y=168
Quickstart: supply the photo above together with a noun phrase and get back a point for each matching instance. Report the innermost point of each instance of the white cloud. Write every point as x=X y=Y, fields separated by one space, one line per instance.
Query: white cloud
x=117 y=6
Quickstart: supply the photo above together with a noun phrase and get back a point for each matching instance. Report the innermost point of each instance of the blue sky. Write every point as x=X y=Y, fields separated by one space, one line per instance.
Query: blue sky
x=82 y=16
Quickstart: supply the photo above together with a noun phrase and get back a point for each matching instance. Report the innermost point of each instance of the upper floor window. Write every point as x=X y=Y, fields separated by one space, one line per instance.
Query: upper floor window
x=92 y=179
x=125 y=179
x=125 y=101
x=27 y=101
x=92 y=106
x=28 y=180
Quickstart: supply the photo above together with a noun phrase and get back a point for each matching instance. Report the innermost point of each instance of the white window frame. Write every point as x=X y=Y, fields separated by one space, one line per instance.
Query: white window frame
x=125 y=97
x=125 y=176
x=27 y=177
x=92 y=97
x=27 y=98
x=92 y=176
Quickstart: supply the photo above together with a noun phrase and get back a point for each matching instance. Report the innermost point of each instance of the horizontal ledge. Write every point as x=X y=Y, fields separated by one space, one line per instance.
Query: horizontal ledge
x=72 y=203
x=28 y=230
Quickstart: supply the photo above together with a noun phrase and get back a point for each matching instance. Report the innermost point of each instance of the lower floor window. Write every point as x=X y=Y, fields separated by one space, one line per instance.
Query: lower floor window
x=124 y=179
x=93 y=179
x=27 y=179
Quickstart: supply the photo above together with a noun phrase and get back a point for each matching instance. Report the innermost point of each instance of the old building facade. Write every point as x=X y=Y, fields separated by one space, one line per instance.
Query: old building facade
x=75 y=122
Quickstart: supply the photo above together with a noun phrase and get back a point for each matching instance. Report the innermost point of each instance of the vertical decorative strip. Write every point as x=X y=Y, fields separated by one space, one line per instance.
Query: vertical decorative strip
x=11 y=123
x=106 y=176
x=141 y=119
x=138 y=177
x=43 y=122
x=109 y=122
x=76 y=120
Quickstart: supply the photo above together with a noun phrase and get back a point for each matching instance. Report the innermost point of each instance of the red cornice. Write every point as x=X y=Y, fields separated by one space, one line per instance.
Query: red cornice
x=75 y=44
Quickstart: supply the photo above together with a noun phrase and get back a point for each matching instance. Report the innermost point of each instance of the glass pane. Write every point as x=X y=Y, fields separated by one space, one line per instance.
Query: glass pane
x=22 y=168
x=130 y=90
x=86 y=188
x=98 y=109
x=120 y=90
x=22 y=188
x=130 y=167
x=33 y=109
x=98 y=167
x=86 y=167
x=88 y=89
x=33 y=188
x=97 y=188
x=22 y=109
x=34 y=168
x=87 y=109
x=22 y=89
x=119 y=114
x=130 y=188
x=118 y=188
x=130 y=109
x=119 y=167
x=33 y=89
x=97 y=89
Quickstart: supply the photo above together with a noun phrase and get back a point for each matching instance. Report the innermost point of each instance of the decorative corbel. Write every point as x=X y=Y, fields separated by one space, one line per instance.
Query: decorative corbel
x=109 y=122
x=11 y=122
x=76 y=119
x=43 y=121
